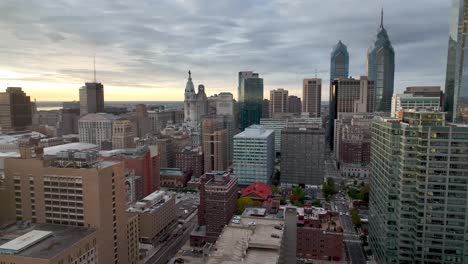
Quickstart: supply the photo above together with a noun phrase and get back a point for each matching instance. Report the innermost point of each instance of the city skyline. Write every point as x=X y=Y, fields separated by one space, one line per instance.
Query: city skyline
x=54 y=49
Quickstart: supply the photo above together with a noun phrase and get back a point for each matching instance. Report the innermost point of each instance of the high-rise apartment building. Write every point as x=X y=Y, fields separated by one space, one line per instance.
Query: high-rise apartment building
x=456 y=87
x=250 y=93
x=214 y=145
x=401 y=102
x=73 y=188
x=218 y=203
x=254 y=155
x=417 y=209
x=96 y=129
x=302 y=154
x=295 y=104
x=15 y=110
x=339 y=62
x=91 y=98
x=347 y=96
x=381 y=69
x=312 y=96
x=278 y=101
x=122 y=134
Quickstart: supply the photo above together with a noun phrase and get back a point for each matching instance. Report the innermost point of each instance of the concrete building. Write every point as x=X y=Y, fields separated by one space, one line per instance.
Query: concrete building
x=295 y=104
x=15 y=110
x=277 y=125
x=142 y=121
x=73 y=188
x=254 y=155
x=312 y=96
x=195 y=104
x=190 y=161
x=122 y=134
x=91 y=98
x=348 y=96
x=215 y=145
x=218 y=203
x=279 y=102
x=319 y=235
x=161 y=118
x=49 y=244
x=419 y=189
x=67 y=122
x=250 y=243
x=223 y=104
x=250 y=92
x=381 y=69
x=96 y=129
x=156 y=216
x=401 y=102
x=302 y=154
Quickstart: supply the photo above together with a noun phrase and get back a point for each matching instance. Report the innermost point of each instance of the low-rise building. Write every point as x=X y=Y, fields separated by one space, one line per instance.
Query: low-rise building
x=156 y=215
x=257 y=191
x=173 y=178
x=190 y=160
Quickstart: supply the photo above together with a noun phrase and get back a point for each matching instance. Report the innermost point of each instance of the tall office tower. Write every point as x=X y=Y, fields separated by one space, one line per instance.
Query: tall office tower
x=15 y=110
x=339 y=62
x=250 y=92
x=73 y=188
x=381 y=69
x=96 y=129
x=218 y=203
x=91 y=98
x=347 y=96
x=279 y=102
x=254 y=155
x=265 y=108
x=295 y=104
x=142 y=121
x=312 y=96
x=419 y=181
x=122 y=134
x=214 y=145
x=406 y=101
x=302 y=153
x=68 y=118
x=195 y=104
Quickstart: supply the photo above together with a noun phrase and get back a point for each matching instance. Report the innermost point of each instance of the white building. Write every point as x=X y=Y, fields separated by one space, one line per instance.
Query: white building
x=254 y=155
x=195 y=104
x=402 y=102
x=96 y=128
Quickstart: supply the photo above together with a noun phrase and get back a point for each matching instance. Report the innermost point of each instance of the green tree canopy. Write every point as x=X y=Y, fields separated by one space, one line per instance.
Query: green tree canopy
x=245 y=202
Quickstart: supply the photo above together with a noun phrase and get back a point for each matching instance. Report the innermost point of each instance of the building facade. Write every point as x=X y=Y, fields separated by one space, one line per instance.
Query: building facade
x=122 y=134
x=215 y=145
x=195 y=104
x=312 y=96
x=401 y=102
x=96 y=129
x=15 y=110
x=277 y=125
x=254 y=155
x=190 y=161
x=417 y=207
x=381 y=69
x=302 y=154
x=91 y=98
x=295 y=104
x=279 y=102
x=250 y=92
x=339 y=62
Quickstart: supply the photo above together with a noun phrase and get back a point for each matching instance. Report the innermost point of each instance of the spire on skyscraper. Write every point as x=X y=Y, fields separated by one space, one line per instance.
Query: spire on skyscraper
x=381 y=18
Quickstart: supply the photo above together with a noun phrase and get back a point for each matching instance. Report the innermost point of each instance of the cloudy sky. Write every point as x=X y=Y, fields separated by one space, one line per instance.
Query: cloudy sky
x=144 y=48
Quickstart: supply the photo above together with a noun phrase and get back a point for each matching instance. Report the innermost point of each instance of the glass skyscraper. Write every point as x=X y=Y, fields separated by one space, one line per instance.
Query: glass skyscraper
x=339 y=62
x=250 y=93
x=381 y=69
x=456 y=82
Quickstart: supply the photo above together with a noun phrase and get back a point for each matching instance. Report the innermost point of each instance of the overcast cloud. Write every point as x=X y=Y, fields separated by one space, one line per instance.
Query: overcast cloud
x=150 y=45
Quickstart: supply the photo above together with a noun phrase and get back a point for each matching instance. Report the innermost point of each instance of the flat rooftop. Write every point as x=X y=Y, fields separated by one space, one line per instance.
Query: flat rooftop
x=13 y=137
x=255 y=131
x=41 y=241
x=249 y=243
x=52 y=151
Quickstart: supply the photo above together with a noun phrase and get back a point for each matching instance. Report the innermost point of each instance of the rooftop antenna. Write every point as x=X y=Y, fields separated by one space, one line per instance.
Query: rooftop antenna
x=315 y=73
x=94 y=61
x=381 y=18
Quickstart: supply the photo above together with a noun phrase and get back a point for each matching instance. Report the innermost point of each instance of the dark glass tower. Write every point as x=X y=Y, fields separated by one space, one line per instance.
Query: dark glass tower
x=339 y=62
x=456 y=83
x=381 y=69
x=250 y=92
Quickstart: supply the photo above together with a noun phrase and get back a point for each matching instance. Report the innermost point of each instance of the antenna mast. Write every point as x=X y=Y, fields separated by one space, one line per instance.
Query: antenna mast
x=94 y=61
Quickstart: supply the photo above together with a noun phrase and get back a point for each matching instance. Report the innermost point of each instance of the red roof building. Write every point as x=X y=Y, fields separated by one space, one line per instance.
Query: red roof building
x=257 y=191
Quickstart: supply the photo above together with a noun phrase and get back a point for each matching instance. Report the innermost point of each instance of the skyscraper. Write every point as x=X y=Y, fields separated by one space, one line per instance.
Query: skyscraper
x=381 y=69
x=250 y=93
x=15 y=110
x=278 y=101
x=456 y=86
x=215 y=145
x=339 y=62
x=122 y=134
x=417 y=206
x=91 y=98
x=295 y=104
x=312 y=96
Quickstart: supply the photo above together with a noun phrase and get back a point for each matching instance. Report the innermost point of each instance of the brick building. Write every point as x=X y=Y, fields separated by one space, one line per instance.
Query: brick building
x=190 y=160
x=174 y=178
